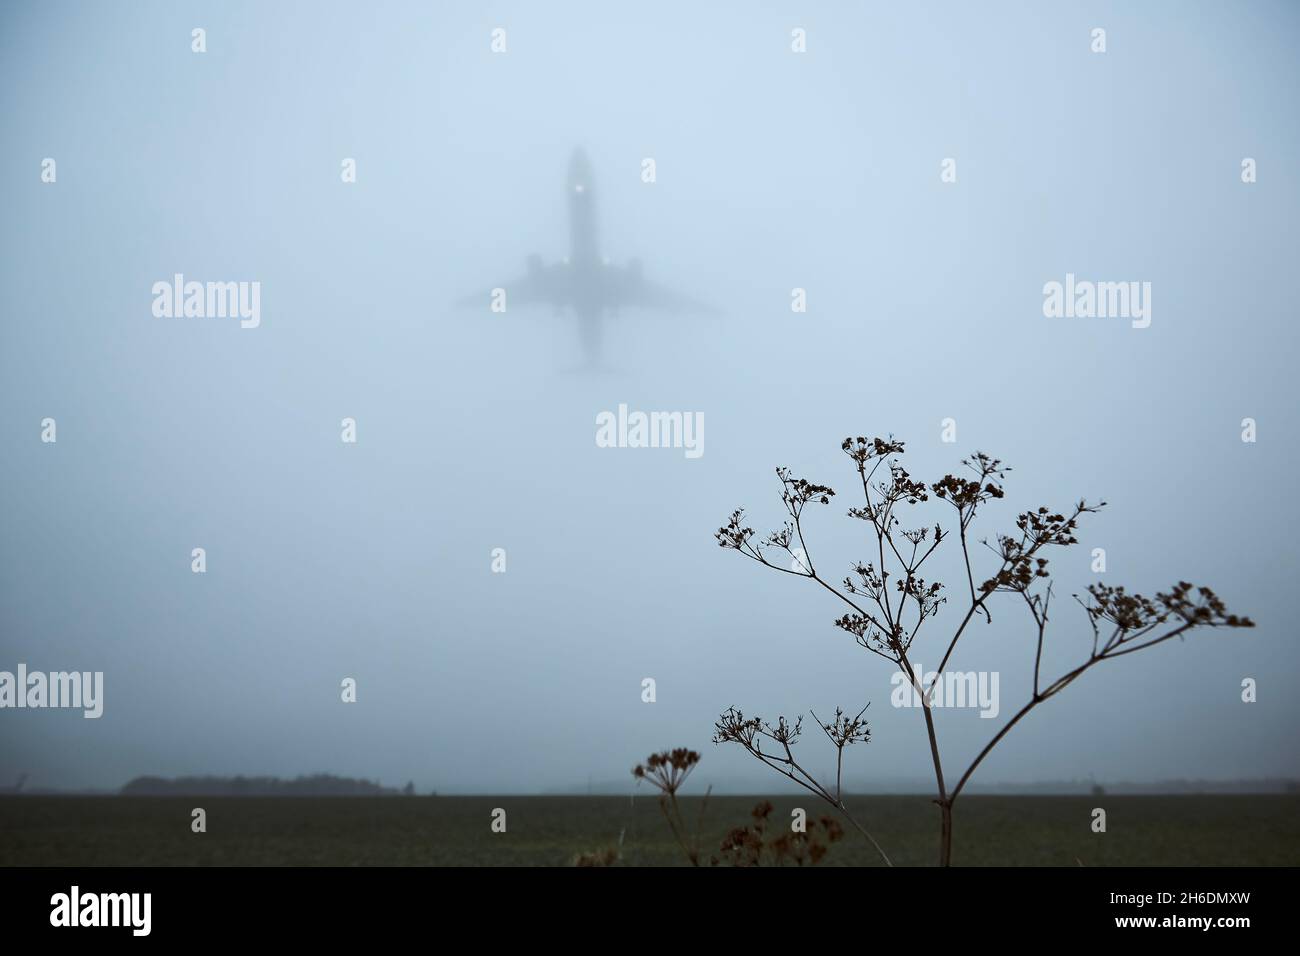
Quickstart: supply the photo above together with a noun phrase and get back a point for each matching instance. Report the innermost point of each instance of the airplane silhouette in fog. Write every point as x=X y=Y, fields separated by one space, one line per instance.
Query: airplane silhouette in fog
x=585 y=281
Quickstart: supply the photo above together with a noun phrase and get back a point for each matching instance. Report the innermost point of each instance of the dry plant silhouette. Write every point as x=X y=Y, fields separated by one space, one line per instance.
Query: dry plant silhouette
x=734 y=727
x=752 y=846
x=888 y=601
x=667 y=770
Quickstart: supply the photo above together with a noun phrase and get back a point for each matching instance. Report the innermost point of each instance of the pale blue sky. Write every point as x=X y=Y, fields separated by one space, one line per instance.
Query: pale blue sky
x=775 y=170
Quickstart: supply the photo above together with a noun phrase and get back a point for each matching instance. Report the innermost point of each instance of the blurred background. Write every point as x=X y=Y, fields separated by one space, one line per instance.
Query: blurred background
x=775 y=171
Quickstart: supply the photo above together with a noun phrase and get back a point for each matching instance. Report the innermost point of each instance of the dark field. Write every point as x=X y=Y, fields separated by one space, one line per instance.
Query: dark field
x=420 y=831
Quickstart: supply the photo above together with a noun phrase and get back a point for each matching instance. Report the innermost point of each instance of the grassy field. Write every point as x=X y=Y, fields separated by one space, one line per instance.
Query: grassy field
x=420 y=831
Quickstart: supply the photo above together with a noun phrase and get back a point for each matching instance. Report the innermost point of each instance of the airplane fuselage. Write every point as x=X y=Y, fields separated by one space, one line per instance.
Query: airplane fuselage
x=583 y=248
x=585 y=265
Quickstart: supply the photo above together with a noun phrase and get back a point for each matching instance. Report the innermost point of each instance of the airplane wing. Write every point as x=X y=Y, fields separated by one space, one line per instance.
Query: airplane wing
x=631 y=289
x=541 y=286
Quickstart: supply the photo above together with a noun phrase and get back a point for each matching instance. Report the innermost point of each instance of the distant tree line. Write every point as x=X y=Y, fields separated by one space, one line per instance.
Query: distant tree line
x=316 y=785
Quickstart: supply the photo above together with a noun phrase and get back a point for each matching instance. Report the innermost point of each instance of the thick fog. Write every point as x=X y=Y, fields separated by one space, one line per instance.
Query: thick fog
x=774 y=170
